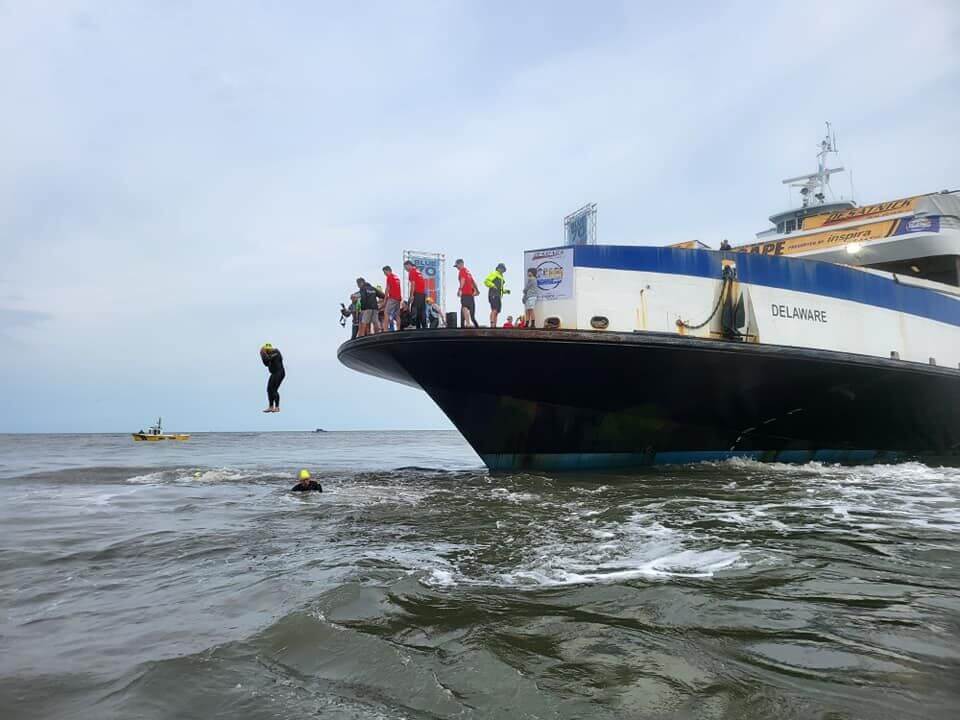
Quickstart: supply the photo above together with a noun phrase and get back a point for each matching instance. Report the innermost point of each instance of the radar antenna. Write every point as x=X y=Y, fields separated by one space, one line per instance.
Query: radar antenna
x=813 y=188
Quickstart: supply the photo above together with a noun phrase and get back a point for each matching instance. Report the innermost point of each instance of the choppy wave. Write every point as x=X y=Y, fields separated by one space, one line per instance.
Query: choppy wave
x=733 y=589
x=191 y=475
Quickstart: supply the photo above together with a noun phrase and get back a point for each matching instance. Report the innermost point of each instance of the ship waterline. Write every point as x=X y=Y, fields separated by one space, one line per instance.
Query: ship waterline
x=541 y=399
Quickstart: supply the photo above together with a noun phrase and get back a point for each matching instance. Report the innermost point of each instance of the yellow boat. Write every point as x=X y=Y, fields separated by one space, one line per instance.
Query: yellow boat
x=156 y=433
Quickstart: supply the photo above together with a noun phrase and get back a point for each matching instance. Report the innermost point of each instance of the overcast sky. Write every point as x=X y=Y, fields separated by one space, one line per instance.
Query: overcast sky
x=181 y=182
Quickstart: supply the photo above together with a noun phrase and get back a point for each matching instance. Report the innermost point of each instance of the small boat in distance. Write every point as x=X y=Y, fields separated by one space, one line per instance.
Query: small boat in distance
x=156 y=433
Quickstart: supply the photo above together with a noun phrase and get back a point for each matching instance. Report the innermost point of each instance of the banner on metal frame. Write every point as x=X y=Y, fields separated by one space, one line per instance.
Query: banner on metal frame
x=580 y=227
x=554 y=272
x=431 y=267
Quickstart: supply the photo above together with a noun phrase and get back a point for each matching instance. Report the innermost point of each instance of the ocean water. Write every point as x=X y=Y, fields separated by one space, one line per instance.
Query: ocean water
x=183 y=580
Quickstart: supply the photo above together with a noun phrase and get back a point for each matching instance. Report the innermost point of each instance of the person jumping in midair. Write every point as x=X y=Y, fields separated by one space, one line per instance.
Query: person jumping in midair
x=273 y=360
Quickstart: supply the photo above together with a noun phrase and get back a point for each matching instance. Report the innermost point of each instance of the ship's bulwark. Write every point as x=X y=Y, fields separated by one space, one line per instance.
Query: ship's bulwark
x=570 y=399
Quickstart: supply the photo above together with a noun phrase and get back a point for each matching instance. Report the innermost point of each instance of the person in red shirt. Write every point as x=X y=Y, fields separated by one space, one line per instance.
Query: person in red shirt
x=391 y=308
x=467 y=291
x=417 y=295
x=509 y=322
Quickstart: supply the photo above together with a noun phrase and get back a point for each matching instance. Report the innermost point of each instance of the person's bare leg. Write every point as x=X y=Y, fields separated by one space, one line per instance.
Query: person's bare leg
x=493 y=318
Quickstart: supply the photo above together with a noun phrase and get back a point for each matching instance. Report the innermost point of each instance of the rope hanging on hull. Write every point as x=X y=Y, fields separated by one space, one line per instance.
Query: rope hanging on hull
x=723 y=290
x=732 y=311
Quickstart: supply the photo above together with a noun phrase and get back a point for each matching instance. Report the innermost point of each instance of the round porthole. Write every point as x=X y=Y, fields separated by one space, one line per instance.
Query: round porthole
x=599 y=322
x=552 y=323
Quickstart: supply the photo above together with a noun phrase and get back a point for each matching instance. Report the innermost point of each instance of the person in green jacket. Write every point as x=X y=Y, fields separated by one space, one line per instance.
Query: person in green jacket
x=498 y=288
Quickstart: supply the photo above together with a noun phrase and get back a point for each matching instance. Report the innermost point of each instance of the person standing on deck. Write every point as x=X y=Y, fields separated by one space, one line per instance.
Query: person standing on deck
x=368 y=307
x=417 y=295
x=467 y=293
x=273 y=361
x=355 y=315
x=531 y=293
x=391 y=309
x=378 y=324
x=498 y=288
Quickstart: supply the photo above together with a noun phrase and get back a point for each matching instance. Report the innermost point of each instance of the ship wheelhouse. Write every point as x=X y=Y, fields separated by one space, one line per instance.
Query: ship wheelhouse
x=913 y=239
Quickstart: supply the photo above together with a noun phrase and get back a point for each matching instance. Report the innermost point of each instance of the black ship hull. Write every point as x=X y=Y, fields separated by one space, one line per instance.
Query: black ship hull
x=536 y=399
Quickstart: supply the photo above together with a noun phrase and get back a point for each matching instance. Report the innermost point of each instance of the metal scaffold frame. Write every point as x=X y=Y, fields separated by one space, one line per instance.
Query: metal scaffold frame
x=440 y=258
x=580 y=227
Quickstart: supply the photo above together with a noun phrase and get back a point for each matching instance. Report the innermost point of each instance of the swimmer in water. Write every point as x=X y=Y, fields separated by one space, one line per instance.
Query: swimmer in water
x=306 y=484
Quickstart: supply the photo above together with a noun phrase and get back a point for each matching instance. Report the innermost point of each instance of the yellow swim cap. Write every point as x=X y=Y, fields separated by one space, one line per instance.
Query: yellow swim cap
x=304 y=474
x=266 y=346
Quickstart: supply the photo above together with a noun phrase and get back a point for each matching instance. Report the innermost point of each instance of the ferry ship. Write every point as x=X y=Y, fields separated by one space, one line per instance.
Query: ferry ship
x=835 y=336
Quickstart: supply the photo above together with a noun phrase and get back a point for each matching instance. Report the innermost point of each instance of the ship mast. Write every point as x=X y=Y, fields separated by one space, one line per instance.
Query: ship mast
x=814 y=187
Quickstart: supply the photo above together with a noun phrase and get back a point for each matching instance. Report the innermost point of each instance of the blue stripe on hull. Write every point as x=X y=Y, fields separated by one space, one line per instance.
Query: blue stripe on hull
x=598 y=461
x=806 y=276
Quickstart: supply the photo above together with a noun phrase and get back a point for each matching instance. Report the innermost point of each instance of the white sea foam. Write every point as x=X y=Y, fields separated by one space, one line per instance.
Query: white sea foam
x=366 y=494
x=640 y=547
x=441 y=578
x=513 y=497
x=191 y=475
x=100 y=500
x=571 y=550
x=150 y=478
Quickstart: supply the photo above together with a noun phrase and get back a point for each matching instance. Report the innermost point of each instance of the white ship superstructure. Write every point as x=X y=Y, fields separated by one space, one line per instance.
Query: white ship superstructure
x=881 y=280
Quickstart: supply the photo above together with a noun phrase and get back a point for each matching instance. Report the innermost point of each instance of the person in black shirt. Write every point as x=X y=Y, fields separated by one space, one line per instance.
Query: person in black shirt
x=354 y=315
x=368 y=306
x=306 y=484
x=273 y=361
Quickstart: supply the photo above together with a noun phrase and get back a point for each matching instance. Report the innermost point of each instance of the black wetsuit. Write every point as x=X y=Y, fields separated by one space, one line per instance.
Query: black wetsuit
x=312 y=486
x=274 y=362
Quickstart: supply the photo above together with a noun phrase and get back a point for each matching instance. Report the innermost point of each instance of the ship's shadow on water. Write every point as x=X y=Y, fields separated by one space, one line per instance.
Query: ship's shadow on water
x=718 y=590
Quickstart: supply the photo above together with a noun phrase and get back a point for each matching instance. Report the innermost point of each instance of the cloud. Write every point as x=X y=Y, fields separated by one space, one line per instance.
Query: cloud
x=11 y=318
x=182 y=182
